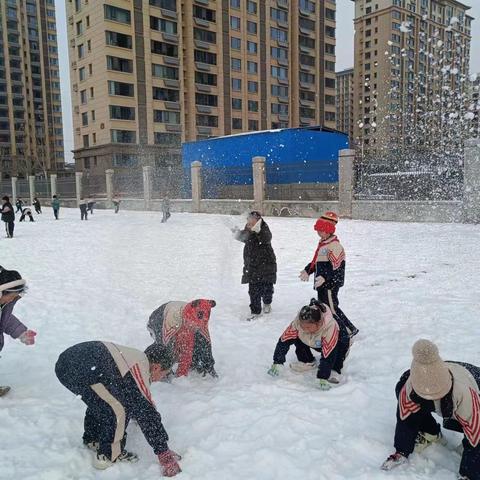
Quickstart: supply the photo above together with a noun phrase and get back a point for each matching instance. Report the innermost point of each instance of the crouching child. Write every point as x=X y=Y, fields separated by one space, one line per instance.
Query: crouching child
x=182 y=328
x=315 y=327
x=114 y=382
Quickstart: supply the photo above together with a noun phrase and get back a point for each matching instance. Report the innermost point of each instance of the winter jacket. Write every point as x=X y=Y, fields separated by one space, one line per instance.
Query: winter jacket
x=329 y=262
x=166 y=205
x=9 y=323
x=56 y=204
x=259 y=261
x=460 y=408
x=183 y=328
x=325 y=340
x=8 y=213
x=89 y=363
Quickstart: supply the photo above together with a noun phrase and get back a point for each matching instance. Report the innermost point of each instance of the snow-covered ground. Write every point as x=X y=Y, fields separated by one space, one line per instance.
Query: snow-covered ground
x=102 y=278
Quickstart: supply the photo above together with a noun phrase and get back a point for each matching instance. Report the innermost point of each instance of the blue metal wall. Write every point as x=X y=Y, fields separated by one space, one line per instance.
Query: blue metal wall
x=295 y=155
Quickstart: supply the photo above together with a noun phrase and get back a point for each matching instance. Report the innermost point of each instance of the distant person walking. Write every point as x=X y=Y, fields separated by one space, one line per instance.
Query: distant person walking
x=55 y=206
x=83 y=209
x=26 y=212
x=166 y=209
x=19 y=205
x=116 y=204
x=90 y=204
x=8 y=216
x=36 y=204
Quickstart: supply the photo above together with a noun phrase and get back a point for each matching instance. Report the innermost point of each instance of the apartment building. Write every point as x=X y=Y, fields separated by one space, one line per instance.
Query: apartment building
x=149 y=74
x=344 y=87
x=410 y=55
x=31 y=135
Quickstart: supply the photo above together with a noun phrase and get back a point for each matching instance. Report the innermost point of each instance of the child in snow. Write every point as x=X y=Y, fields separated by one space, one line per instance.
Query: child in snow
x=260 y=263
x=166 y=209
x=8 y=216
x=449 y=389
x=19 y=205
x=314 y=328
x=55 y=206
x=328 y=265
x=114 y=382
x=83 y=209
x=182 y=328
x=26 y=212
x=12 y=287
x=90 y=204
x=36 y=204
x=116 y=204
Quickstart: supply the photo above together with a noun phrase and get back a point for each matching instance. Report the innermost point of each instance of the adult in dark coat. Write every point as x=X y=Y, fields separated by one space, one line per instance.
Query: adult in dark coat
x=260 y=263
x=8 y=216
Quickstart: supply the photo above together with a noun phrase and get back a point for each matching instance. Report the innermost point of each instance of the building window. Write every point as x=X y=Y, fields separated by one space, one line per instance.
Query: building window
x=89 y=45
x=235 y=43
x=330 y=116
x=124 y=160
x=93 y=115
x=279 y=53
x=92 y=92
x=253 y=125
x=165 y=4
x=237 y=123
x=279 y=91
x=173 y=139
x=162 y=48
x=279 y=72
x=307 y=24
x=236 y=84
x=278 y=34
x=329 y=82
x=306 y=95
x=204 y=35
x=166 y=94
x=162 y=25
x=307 y=112
x=119 y=64
x=251 y=7
x=81 y=51
x=236 y=64
x=236 y=103
x=82 y=74
x=117 y=14
x=207 y=121
x=308 y=60
x=235 y=3
x=83 y=97
x=204 y=13
x=206 y=78
x=252 y=47
x=120 y=88
x=234 y=23
x=206 y=99
x=280 y=108
x=87 y=21
x=86 y=142
x=330 y=14
x=330 y=49
x=163 y=71
x=79 y=27
x=251 y=28
x=252 y=86
x=205 y=57
x=122 y=113
x=85 y=119
x=252 y=106
x=278 y=15
x=116 y=39
x=329 y=66
x=329 y=99
x=306 y=41
x=330 y=32
x=123 y=136
x=307 y=77
x=252 y=67
x=165 y=116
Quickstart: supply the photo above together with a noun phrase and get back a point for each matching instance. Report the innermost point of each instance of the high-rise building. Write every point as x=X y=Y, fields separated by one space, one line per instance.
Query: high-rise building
x=411 y=62
x=345 y=102
x=148 y=74
x=473 y=113
x=31 y=135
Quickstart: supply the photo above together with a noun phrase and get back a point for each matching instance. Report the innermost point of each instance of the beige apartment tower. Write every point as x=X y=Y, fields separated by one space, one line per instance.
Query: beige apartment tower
x=409 y=55
x=149 y=74
x=31 y=135
x=345 y=103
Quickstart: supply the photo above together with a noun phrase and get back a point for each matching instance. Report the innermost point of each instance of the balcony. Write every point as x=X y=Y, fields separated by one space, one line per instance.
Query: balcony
x=203 y=88
x=202 y=44
x=204 y=67
x=169 y=13
x=171 y=60
x=171 y=127
x=283 y=4
x=201 y=22
x=171 y=83
x=172 y=105
x=204 y=109
x=170 y=37
x=204 y=130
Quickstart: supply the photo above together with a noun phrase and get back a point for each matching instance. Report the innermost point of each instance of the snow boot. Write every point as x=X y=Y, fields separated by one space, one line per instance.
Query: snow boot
x=91 y=445
x=253 y=316
x=102 y=462
x=334 y=378
x=425 y=439
x=267 y=308
x=394 y=460
x=302 y=367
x=4 y=390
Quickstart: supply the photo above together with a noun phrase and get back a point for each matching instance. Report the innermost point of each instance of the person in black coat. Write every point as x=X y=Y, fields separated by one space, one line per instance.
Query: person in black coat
x=37 y=205
x=8 y=216
x=260 y=263
x=27 y=213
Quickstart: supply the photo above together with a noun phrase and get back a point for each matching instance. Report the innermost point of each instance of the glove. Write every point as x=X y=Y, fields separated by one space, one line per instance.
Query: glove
x=304 y=276
x=28 y=337
x=319 y=281
x=169 y=463
x=323 y=385
x=275 y=370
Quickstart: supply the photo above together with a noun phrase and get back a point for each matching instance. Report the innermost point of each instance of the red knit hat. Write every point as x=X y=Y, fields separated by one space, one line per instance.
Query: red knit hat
x=326 y=223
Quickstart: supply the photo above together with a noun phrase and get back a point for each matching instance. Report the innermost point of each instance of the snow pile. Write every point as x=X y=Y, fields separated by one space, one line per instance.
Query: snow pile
x=101 y=279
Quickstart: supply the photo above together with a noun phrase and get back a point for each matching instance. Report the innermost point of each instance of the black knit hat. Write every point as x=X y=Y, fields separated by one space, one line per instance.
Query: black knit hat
x=11 y=281
x=255 y=214
x=160 y=355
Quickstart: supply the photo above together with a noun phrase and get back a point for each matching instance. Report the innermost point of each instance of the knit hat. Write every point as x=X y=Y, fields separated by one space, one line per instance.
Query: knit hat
x=255 y=214
x=158 y=354
x=326 y=223
x=429 y=374
x=11 y=281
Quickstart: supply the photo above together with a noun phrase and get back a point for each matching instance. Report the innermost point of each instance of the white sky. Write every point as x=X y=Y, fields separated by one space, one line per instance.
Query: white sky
x=344 y=54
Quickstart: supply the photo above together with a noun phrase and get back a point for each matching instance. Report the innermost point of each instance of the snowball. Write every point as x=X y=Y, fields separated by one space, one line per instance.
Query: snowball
x=469 y=116
x=439 y=43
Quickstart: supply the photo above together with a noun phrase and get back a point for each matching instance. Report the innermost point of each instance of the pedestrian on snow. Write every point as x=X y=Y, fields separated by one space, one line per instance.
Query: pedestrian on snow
x=12 y=288
x=19 y=205
x=260 y=263
x=328 y=265
x=27 y=212
x=36 y=204
x=55 y=206
x=8 y=216
x=90 y=204
x=116 y=204
x=451 y=390
x=114 y=382
x=182 y=328
x=83 y=209
x=315 y=327
x=165 y=209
